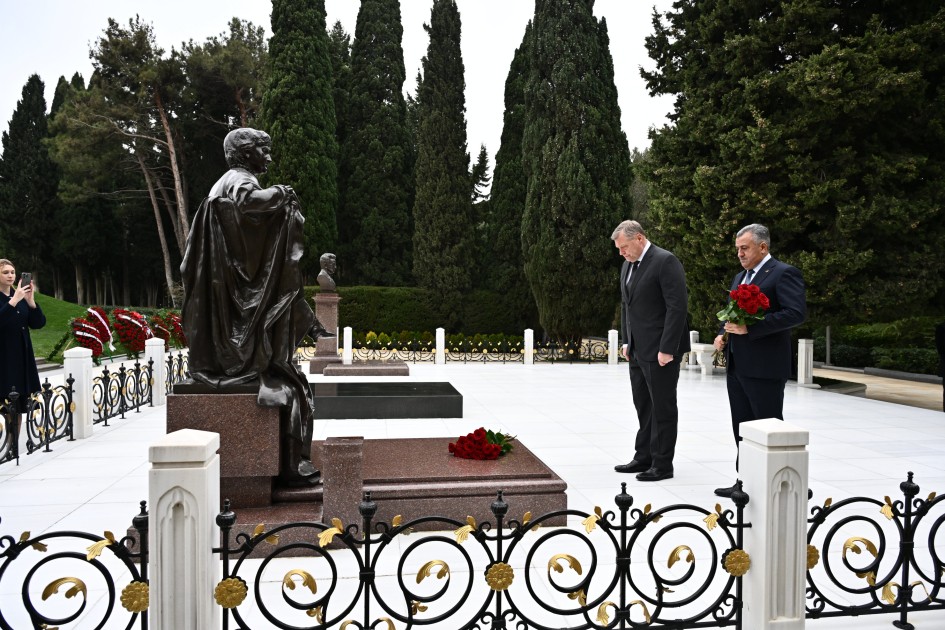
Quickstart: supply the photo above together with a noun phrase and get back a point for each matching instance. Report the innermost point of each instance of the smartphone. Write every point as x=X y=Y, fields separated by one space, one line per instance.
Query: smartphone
x=26 y=278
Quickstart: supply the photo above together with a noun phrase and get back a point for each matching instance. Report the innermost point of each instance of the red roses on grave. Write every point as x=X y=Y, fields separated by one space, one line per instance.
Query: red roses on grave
x=481 y=444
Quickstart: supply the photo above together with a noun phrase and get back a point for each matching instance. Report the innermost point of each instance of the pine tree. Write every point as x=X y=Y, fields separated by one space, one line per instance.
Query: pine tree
x=28 y=182
x=821 y=121
x=299 y=114
x=577 y=164
x=442 y=240
x=505 y=272
x=376 y=158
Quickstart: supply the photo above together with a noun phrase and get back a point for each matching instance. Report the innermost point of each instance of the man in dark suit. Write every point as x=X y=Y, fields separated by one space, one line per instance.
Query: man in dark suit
x=655 y=335
x=758 y=357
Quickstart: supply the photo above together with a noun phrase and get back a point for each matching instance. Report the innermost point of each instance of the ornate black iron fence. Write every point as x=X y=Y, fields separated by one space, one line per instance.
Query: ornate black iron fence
x=589 y=350
x=176 y=369
x=114 y=394
x=471 y=350
x=508 y=573
x=71 y=577
x=10 y=421
x=50 y=416
x=867 y=556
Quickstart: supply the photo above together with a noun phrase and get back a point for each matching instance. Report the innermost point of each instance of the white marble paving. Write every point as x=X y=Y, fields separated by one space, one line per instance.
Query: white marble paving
x=577 y=418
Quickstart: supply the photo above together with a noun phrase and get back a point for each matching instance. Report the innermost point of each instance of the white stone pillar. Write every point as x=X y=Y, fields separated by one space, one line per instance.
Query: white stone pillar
x=154 y=351
x=693 y=362
x=347 y=352
x=78 y=363
x=440 y=346
x=529 y=346
x=805 y=361
x=184 y=493
x=773 y=465
x=612 y=348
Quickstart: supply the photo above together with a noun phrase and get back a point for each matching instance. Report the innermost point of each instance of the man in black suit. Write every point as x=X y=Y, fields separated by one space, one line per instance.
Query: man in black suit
x=655 y=335
x=758 y=357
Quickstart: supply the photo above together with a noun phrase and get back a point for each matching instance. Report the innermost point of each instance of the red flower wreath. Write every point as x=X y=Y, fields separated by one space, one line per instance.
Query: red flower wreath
x=132 y=329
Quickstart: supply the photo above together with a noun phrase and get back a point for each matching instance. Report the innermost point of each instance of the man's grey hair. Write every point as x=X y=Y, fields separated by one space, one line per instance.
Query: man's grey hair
x=759 y=233
x=239 y=141
x=628 y=228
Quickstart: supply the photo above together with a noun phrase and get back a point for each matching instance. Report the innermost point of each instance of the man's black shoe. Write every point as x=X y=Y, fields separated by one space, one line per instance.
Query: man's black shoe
x=725 y=492
x=655 y=474
x=633 y=467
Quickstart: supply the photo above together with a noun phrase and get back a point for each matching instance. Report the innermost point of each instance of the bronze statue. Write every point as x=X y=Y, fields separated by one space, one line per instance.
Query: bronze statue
x=244 y=310
x=329 y=265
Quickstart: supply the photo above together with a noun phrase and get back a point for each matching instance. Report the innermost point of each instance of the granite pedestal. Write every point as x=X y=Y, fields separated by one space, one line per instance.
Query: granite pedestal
x=326 y=349
x=386 y=400
x=249 y=436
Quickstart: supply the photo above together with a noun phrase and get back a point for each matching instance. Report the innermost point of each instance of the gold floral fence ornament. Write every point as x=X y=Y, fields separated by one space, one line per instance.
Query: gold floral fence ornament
x=499 y=576
x=230 y=592
x=736 y=562
x=135 y=597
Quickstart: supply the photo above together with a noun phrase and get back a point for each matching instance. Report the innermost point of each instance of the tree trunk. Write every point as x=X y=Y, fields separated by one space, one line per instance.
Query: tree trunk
x=172 y=214
x=175 y=170
x=165 y=253
x=79 y=284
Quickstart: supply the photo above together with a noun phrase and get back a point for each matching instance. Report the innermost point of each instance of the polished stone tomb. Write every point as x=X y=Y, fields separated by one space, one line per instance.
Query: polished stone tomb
x=386 y=400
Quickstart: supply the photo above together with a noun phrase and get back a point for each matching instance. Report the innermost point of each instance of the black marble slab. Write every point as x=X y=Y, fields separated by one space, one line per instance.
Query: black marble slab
x=386 y=400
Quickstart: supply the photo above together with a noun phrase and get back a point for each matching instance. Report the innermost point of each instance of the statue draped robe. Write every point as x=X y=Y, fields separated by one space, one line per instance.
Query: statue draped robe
x=244 y=308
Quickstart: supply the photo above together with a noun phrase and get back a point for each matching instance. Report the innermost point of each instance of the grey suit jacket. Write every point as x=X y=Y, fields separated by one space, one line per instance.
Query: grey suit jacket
x=654 y=307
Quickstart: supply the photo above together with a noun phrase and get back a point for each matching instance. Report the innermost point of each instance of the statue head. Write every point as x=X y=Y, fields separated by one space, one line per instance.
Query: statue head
x=248 y=148
x=328 y=262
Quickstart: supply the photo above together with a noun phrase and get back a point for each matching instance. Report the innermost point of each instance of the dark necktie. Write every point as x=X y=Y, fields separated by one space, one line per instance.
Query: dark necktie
x=633 y=269
x=748 y=276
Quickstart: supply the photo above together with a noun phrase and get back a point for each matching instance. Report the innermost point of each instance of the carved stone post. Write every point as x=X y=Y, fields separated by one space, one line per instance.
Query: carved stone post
x=529 y=346
x=613 y=347
x=440 y=357
x=154 y=350
x=78 y=363
x=805 y=361
x=774 y=469
x=184 y=493
x=347 y=353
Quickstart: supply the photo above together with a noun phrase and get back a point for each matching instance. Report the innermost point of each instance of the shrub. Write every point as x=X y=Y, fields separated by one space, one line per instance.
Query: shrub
x=915 y=360
x=843 y=355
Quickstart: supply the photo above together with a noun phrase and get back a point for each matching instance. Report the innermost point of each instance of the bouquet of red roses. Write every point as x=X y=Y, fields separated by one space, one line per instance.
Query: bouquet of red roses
x=747 y=305
x=481 y=444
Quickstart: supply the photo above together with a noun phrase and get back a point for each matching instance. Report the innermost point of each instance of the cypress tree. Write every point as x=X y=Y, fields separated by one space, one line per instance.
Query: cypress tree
x=28 y=182
x=505 y=272
x=822 y=121
x=577 y=165
x=299 y=114
x=443 y=237
x=339 y=50
x=376 y=157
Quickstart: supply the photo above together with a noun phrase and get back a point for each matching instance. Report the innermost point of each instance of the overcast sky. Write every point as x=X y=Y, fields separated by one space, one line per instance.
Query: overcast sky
x=52 y=38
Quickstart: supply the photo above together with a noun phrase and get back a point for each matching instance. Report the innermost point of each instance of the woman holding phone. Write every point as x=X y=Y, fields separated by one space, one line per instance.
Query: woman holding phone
x=18 y=313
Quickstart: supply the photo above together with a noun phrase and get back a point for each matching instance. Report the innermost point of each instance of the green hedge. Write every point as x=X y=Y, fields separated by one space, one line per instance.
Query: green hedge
x=410 y=308
x=906 y=345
